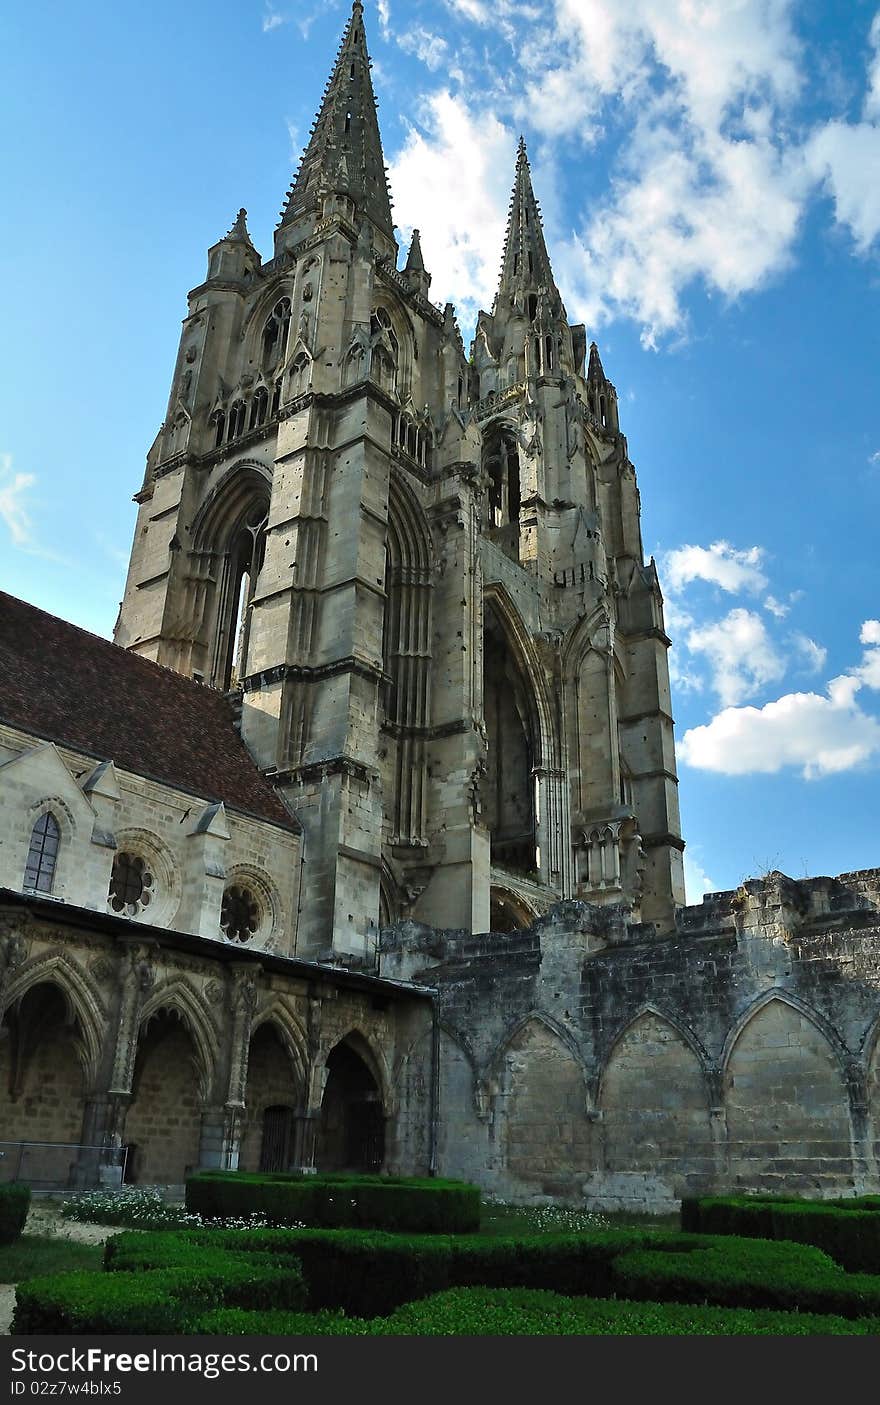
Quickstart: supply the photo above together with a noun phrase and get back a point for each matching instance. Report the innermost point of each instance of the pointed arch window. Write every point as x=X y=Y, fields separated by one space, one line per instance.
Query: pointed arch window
x=245 y=562
x=275 y=333
x=218 y=420
x=237 y=420
x=39 y=872
x=259 y=406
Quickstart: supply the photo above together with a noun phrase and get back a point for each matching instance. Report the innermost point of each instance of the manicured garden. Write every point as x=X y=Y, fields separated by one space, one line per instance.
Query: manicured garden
x=427 y=1271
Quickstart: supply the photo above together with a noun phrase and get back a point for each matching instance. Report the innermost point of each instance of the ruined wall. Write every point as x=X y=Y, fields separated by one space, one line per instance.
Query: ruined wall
x=586 y=1057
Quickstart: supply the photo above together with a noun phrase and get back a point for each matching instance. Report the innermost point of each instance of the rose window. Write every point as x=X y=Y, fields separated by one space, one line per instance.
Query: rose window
x=131 y=885
x=240 y=914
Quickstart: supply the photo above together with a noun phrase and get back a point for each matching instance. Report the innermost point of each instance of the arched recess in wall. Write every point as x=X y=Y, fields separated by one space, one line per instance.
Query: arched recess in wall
x=546 y=1135
x=592 y=673
x=654 y=1097
x=787 y=1107
x=275 y=1095
x=45 y=1076
x=508 y=910
x=173 y=1075
x=871 y=1053
x=499 y=461
x=406 y=654
x=351 y=1130
x=520 y=792
x=229 y=543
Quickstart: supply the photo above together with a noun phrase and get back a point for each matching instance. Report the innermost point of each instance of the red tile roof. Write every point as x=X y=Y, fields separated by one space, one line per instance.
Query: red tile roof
x=68 y=686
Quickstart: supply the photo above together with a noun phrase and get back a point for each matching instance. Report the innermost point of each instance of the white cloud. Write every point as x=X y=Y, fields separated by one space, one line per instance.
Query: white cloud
x=384 y=17
x=720 y=564
x=820 y=734
x=462 y=236
x=13 y=493
x=272 y=20
x=841 y=154
x=696 y=880
x=776 y=607
x=740 y=652
x=428 y=47
x=814 y=655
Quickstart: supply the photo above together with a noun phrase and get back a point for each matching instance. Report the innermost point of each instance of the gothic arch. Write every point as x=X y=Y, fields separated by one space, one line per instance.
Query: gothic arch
x=787 y=1098
x=784 y=997
x=292 y=1035
x=655 y=1094
x=260 y=312
x=509 y=909
x=524 y=803
x=178 y=995
x=80 y=995
x=228 y=538
x=495 y=1062
x=406 y=652
x=682 y=1031
x=374 y=1058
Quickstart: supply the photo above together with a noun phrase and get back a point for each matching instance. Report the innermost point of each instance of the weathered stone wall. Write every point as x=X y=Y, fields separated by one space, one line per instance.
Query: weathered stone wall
x=143 y=1038
x=587 y=1057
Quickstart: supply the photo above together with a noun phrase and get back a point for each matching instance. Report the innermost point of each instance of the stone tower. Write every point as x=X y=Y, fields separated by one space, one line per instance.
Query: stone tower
x=422 y=573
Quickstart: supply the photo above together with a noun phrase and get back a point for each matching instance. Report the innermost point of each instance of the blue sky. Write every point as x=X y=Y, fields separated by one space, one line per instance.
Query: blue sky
x=710 y=179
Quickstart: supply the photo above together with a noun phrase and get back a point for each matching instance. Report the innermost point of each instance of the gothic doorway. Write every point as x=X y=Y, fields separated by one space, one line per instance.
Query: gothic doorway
x=351 y=1135
x=276 y=1146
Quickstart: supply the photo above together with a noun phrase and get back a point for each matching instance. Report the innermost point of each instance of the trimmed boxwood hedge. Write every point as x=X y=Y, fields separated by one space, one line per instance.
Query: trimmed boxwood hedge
x=371 y=1273
x=15 y=1199
x=478 y=1312
x=164 y=1293
x=405 y=1205
x=732 y=1272
x=848 y=1230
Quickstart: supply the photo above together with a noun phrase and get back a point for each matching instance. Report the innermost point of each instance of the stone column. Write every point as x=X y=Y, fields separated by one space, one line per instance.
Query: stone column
x=243 y=1003
x=137 y=977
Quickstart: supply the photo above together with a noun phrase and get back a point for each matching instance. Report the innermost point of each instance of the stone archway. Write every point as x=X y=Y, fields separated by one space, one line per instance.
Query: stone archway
x=43 y=1084
x=163 y=1123
x=272 y=1100
x=351 y=1132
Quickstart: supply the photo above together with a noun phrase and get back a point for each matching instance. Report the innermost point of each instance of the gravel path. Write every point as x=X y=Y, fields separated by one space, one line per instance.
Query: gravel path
x=44 y=1219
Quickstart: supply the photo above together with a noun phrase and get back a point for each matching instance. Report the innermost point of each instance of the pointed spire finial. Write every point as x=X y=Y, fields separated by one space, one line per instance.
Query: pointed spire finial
x=525 y=265
x=414 y=261
x=594 y=370
x=239 y=228
x=345 y=126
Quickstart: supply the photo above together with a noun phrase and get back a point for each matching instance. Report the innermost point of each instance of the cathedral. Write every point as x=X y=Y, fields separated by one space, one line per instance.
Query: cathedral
x=360 y=845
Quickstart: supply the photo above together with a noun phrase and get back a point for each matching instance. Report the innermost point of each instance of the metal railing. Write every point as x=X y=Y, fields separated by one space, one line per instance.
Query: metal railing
x=61 y=1165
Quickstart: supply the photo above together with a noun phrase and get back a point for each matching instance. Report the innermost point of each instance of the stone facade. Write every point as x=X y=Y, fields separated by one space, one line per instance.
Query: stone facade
x=591 y=1057
x=400 y=884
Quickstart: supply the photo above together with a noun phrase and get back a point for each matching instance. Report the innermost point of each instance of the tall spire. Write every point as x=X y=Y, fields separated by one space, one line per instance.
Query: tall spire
x=525 y=265
x=344 y=153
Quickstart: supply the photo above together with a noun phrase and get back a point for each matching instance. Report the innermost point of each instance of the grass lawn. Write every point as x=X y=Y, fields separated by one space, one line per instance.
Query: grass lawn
x=32 y=1255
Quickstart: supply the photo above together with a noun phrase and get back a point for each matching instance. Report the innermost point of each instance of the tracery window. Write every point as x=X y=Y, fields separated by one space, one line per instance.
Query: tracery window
x=275 y=333
x=42 y=856
x=239 y=913
x=131 y=884
x=259 y=406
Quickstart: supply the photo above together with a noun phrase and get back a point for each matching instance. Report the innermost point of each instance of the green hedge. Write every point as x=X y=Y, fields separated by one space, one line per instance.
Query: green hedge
x=15 y=1199
x=477 y=1312
x=730 y=1272
x=371 y=1273
x=848 y=1230
x=414 y=1206
x=165 y=1292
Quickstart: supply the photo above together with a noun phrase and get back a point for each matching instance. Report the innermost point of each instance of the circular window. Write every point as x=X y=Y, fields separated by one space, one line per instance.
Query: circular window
x=239 y=914
x=131 y=885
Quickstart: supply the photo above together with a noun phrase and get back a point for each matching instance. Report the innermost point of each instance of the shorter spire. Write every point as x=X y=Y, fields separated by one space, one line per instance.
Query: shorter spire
x=239 y=228
x=414 y=262
x=594 y=370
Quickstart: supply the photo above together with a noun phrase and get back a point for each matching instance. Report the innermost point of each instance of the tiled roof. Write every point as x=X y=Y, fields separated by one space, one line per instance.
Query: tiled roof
x=68 y=686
